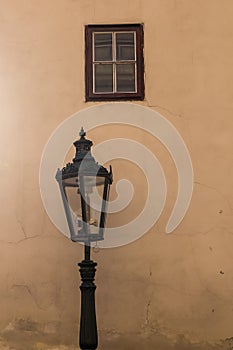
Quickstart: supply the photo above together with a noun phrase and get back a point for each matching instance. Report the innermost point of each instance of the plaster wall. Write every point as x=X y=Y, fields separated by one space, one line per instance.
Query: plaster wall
x=163 y=291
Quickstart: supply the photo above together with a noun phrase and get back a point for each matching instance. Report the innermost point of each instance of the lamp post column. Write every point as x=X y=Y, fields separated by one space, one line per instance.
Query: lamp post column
x=88 y=338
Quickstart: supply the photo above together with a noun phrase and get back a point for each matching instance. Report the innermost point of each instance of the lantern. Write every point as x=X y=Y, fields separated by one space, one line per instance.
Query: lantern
x=84 y=186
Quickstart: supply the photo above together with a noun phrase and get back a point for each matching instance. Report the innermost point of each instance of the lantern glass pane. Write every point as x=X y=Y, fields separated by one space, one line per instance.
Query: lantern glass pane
x=74 y=203
x=85 y=200
x=71 y=181
x=93 y=196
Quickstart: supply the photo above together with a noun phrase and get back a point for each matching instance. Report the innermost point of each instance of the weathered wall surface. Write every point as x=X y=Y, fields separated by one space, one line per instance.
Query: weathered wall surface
x=166 y=292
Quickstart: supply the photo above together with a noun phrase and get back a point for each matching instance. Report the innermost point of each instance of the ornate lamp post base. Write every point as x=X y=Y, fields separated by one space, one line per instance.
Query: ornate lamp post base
x=88 y=339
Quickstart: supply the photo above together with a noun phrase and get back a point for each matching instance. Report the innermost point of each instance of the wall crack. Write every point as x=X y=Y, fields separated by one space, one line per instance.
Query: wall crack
x=29 y=291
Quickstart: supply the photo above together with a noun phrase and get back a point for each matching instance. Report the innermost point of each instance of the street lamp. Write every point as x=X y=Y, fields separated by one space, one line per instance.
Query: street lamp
x=84 y=187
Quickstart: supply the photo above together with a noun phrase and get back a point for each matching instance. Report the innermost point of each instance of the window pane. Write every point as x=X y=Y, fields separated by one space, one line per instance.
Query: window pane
x=103 y=77
x=74 y=203
x=74 y=200
x=125 y=46
x=125 y=76
x=94 y=188
x=103 y=47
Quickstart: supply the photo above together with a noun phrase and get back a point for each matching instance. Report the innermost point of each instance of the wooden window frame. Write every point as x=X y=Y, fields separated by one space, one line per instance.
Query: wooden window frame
x=90 y=94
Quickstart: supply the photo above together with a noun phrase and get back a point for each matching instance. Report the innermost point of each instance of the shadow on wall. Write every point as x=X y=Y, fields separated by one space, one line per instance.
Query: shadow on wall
x=29 y=335
x=159 y=342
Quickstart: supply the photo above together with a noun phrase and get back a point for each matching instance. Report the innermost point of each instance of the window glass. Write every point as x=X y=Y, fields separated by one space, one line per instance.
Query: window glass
x=125 y=49
x=103 y=77
x=103 y=47
x=125 y=77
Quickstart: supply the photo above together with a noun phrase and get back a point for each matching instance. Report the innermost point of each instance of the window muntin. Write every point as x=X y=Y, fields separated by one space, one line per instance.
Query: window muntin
x=114 y=62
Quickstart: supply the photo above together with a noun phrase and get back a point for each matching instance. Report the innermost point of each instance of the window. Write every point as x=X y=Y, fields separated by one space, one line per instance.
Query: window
x=114 y=62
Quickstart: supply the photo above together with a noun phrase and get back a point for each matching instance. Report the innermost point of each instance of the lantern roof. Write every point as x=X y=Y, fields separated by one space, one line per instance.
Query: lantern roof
x=83 y=146
x=83 y=162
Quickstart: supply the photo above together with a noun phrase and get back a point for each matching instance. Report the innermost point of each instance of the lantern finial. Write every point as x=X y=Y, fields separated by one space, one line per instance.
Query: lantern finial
x=82 y=133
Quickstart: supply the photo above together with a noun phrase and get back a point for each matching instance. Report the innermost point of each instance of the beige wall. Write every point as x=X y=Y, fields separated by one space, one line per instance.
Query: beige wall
x=161 y=290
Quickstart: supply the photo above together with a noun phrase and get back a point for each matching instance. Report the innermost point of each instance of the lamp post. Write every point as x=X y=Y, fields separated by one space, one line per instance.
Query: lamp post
x=84 y=187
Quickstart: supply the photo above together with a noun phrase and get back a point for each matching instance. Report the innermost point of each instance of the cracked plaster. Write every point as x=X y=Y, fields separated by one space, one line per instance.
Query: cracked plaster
x=169 y=292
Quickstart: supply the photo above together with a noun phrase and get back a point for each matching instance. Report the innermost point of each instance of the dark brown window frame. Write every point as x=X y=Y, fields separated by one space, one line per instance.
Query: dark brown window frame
x=139 y=94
